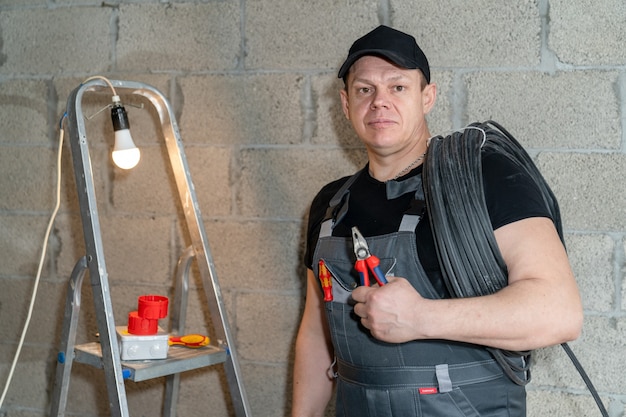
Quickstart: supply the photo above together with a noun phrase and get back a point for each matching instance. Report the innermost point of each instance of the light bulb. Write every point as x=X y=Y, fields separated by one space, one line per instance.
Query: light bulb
x=125 y=154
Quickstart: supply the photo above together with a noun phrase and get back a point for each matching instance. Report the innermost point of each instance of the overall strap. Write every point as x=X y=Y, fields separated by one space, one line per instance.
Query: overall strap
x=415 y=212
x=413 y=215
x=338 y=206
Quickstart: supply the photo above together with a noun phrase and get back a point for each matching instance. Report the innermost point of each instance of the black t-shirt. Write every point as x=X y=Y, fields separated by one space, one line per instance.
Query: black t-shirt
x=510 y=194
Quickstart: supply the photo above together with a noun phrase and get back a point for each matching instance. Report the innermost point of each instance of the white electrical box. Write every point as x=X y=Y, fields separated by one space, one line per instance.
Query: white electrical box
x=135 y=347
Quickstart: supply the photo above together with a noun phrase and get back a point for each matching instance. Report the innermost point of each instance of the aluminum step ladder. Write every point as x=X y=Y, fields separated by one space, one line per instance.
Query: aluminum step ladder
x=105 y=354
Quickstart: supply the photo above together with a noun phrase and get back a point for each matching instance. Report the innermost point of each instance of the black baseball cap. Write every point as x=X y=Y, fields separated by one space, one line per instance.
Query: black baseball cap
x=398 y=47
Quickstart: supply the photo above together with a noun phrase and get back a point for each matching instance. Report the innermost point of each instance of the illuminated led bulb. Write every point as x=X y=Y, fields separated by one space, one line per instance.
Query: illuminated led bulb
x=125 y=154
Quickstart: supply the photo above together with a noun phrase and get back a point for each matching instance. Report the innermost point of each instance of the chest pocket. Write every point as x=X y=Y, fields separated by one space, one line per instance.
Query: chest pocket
x=345 y=277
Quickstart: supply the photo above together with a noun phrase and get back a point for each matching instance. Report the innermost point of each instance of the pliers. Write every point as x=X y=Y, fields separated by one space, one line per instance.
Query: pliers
x=365 y=260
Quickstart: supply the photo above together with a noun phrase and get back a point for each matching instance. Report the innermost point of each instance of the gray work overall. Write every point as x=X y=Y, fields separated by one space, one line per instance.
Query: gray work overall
x=430 y=378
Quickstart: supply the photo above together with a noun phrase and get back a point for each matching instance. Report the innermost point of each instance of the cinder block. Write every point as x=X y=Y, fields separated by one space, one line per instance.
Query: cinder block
x=277 y=39
x=21 y=242
x=181 y=37
x=45 y=325
x=44 y=41
x=447 y=105
x=601 y=22
x=29 y=386
x=266 y=326
x=67 y=244
x=87 y=391
x=9 y=3
x=145 y=398
x=597 y=348
x=331 y=126
x=544 y=111
x=29 y=178
x=255 y=255
x=268 y=389
x=280 y=183
x=545 y=403
x=137 y=249
x=25 y=413
x=551 y=367
x=198 y=318
x=242 y=109
x=82 y=2
x=594 y=350
x=210 y=170
x=204 y=390
x=24 y=112
x=149 y=188
x=13 y=307
x=592 y=261
x=488 y=34
x=589 y=188
x=623 y=274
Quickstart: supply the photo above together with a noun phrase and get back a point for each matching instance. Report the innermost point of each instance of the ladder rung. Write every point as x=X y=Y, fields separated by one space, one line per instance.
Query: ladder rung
x=179 y=359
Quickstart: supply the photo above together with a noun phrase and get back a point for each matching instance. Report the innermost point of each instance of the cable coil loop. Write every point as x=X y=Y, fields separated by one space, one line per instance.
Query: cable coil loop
x=471 y=262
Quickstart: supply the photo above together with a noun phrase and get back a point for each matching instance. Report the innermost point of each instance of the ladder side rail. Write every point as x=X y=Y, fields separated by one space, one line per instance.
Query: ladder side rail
x=178 y=314
x=200 y=243
x=95 y=254
x=68 y=339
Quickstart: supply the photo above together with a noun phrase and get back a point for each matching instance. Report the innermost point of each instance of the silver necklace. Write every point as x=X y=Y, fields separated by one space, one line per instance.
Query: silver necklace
x=411 y=165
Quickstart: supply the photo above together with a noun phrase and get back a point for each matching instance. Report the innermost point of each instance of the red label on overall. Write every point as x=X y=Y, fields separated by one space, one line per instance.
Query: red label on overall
x=427 y=390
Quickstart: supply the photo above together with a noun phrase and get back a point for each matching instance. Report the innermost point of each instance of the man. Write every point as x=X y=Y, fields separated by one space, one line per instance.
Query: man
x=408 y=348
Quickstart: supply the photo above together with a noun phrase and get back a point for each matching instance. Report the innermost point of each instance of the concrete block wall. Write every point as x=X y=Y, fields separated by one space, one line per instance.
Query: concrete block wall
x=254 y=89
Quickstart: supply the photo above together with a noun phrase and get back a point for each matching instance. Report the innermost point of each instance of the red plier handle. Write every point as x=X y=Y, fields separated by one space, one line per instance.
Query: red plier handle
x=365 y=261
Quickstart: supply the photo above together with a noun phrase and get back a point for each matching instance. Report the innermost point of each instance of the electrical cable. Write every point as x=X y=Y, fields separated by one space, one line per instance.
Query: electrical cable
x=105 y=79
x=471 y=262
x=40 y=267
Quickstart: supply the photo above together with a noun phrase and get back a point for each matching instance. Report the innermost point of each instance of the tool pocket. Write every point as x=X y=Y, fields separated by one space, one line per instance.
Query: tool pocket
x=496 y=398
x=356 y=400
x=345 y=278
x=353 y=343
x=451 y=404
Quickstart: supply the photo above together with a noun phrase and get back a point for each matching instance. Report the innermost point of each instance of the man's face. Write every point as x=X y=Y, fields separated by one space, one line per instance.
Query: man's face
x=387 y=105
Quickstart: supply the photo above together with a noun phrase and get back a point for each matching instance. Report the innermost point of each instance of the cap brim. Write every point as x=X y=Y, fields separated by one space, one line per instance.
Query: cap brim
x=396 y=59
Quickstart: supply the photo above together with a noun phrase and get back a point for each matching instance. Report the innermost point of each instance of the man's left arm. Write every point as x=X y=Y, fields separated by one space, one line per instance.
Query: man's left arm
x=540 y=307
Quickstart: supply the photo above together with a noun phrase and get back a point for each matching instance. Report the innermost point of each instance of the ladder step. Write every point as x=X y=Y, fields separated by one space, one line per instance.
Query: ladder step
x=179 y=359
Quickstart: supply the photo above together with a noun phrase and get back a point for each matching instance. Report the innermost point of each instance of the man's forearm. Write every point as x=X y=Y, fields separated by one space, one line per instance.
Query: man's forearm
x=512 y=319
x=312 y=386
x=540 y=307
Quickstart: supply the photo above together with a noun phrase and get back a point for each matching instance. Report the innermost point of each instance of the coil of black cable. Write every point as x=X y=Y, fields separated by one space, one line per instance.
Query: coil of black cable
x=471 y=262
